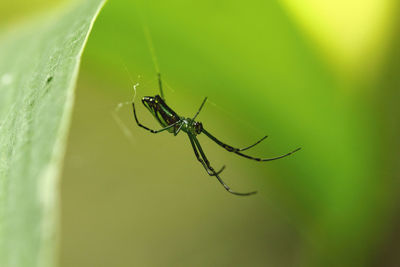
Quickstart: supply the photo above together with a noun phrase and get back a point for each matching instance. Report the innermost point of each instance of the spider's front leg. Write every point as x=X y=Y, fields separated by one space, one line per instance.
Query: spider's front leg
x=148 y=129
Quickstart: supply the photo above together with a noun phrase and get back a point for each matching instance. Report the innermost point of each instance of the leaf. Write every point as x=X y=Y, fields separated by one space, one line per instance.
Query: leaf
x=39 y=65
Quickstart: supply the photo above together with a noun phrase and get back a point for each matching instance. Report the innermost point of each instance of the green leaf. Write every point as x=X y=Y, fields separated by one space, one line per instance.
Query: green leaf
x=39 y=64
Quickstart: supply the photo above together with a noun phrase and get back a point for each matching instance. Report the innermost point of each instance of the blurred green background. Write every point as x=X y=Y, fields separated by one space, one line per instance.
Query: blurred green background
x=322 y=75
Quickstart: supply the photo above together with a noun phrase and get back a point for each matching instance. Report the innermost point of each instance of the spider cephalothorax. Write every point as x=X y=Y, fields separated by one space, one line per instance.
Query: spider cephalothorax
x=174 y=124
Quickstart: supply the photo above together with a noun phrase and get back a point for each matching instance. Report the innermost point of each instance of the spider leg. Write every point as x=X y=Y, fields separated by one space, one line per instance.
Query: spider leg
x=148 y=129
x=211 y=173
x=201 y=106
x=193 y=138
x=160 y=86
x=256 y=143
x=236 y=151
x=178 y=130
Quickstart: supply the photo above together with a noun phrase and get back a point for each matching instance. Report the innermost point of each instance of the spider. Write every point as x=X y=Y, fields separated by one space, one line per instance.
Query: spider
x=173 y=123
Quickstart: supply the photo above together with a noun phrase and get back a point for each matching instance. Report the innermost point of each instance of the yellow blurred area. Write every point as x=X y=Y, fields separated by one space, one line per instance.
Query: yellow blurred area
x=351 y=35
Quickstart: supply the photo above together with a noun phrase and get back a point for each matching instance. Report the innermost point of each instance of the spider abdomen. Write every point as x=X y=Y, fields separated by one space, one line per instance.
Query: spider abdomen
x=161 y=111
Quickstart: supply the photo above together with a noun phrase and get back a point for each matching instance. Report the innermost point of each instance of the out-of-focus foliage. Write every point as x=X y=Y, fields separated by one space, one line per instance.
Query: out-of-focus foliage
x=38 y=71
x=322 y=76
x=353 y=43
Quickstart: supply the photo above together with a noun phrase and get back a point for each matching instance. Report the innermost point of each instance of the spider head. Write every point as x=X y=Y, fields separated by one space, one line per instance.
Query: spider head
x=198 y=127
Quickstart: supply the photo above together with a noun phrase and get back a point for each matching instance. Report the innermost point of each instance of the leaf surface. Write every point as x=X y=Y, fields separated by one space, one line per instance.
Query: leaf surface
x=39 y=64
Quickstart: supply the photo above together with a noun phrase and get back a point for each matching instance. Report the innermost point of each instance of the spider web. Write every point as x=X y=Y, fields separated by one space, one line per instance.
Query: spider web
x=115 y=113
x=122 y=125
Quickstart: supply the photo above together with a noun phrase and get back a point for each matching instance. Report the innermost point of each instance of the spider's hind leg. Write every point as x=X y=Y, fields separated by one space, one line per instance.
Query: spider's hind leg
x=193 y=139
x=201 y=107
x=237 y=151
x=205 y=165
x=253 y=145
